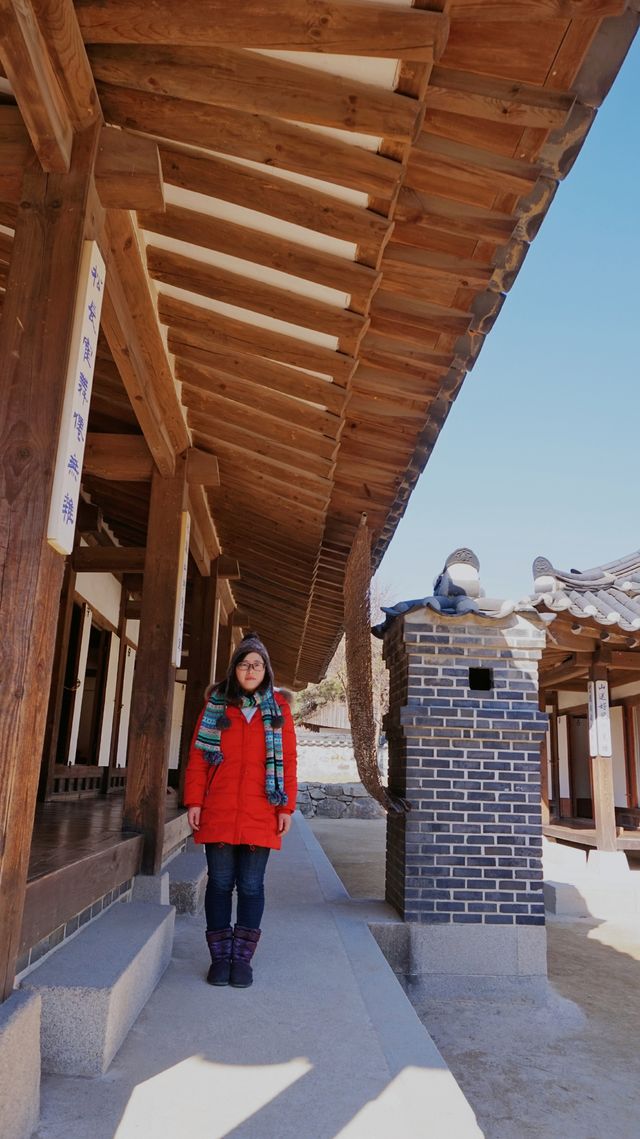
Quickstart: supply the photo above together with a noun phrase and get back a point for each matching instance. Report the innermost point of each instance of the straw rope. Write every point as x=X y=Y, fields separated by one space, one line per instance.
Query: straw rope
x=357 y=627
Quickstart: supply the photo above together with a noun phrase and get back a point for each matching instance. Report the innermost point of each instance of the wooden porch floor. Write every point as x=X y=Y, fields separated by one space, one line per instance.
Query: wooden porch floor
x=79 y=856
x=582 y=833
x=67 y=832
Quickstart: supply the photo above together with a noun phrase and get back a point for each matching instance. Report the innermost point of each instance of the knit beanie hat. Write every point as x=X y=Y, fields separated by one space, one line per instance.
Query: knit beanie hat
x=251 y=643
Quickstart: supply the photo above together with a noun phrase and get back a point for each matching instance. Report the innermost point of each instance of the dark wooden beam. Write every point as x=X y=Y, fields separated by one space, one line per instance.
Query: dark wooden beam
x=35 y=335
x=15 y=152
x=203 y=613
x=227 y=568
x=153 y=686
x=108 y=559
x=341 y=27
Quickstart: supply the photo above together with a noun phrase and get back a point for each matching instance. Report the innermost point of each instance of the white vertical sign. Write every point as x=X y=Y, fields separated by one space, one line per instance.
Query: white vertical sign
x=75 y=411
x=599 y=719
x=178 y=626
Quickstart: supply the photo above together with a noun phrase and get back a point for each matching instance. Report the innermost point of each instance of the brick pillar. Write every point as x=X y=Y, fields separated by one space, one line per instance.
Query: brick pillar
x=464 y=867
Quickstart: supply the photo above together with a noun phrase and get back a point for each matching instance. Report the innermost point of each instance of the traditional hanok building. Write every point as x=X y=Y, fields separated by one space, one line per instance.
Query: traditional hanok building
x=592 y=650
x=248 y=253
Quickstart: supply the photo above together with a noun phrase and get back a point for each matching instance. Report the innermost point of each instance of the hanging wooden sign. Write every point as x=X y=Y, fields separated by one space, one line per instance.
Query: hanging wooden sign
x=75 y=411
x=185 y=527
x=599 y=718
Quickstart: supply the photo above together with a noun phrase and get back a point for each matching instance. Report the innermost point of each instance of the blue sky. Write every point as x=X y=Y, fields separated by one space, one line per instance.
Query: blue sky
x=540 y=453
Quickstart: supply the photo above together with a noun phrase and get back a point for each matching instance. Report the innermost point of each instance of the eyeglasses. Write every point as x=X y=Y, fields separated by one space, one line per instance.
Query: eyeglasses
x=244 y=667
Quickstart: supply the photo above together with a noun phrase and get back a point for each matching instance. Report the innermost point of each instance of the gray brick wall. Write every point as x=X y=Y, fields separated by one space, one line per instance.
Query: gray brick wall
x=470 y=850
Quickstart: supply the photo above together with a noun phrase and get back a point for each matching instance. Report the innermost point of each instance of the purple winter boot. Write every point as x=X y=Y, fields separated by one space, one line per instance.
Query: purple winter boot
x=219 y=942
x=244 y=947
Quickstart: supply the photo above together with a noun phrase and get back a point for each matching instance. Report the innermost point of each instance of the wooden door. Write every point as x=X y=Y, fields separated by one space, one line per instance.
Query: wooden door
x=580 y=767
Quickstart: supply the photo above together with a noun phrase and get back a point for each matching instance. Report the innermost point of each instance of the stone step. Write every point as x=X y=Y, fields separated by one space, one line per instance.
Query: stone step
x=590 y=896
x=188 y=881
x=96 y=984
x=19 y=1065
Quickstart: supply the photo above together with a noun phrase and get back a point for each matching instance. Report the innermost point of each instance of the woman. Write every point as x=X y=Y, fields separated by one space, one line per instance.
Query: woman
x=240 y=791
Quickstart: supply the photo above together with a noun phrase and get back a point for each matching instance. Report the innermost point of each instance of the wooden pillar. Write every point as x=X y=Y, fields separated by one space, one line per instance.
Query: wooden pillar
x=554 y=791
x=56 y=693
x=604 y=811
x=56 y=213
x=224 y=648
x=202 y=646
x=154 y=677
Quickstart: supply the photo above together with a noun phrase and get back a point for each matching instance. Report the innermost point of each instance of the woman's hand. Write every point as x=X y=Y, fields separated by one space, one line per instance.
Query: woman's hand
x=193 y=818
x=284 y=822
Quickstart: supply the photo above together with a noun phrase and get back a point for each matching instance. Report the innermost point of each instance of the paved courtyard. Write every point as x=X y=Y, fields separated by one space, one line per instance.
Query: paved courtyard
x=566 y=1066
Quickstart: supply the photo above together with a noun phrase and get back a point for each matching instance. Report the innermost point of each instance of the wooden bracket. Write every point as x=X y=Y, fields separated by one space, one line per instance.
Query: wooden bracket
x=128 y=174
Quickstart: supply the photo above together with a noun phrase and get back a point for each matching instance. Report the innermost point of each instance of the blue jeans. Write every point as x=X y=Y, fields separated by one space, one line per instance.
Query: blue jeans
x=240 y=866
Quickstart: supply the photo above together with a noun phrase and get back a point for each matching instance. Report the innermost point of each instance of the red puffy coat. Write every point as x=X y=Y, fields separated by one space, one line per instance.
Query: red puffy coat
x=234 y=805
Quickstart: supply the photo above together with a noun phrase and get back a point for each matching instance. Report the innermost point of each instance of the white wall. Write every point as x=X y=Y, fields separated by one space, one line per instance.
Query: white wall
x=102 y=592
x=619 y=771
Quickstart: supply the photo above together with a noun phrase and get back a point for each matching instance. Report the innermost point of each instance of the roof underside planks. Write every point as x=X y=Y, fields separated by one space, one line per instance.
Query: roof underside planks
x=350 y=192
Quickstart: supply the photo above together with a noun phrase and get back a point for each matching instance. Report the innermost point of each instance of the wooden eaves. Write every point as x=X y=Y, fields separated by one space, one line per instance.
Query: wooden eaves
x=349 y=191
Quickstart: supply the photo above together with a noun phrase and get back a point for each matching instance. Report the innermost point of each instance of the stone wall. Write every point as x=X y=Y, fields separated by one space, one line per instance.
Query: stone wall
x=337 y=801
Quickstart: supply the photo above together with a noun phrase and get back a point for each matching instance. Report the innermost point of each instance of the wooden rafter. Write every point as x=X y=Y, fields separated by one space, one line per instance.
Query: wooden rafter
x=245 y=81
x=259 y=138
x=251 y=244
x=336 y=26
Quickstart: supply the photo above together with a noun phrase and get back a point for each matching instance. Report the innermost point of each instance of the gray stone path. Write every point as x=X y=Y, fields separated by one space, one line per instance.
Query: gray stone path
x=324 y=1045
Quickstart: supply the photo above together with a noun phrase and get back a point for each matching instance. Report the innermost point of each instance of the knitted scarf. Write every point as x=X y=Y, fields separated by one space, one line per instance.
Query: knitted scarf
x=215 y=720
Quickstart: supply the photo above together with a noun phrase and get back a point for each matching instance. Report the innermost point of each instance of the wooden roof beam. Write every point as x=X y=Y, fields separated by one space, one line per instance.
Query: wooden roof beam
x=246 y=81
x=267 y=193
x=27 y=63
x=259 y=138
x=260 y=422
x=251 y=395
x=293 y=459
x=15 y=152
x=239 y=336
x=236 y=368
x=341 y=27
x=108 y=559
x=234 y=450
x=260 y=248
x=496 y=100
x=244 y=292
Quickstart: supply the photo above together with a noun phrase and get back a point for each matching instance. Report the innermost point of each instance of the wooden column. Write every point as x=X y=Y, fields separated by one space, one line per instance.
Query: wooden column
x=554 y=791
x=202 y=645
x=56 y=213
x=224 y=648
x=154 y=677
x=604 y=811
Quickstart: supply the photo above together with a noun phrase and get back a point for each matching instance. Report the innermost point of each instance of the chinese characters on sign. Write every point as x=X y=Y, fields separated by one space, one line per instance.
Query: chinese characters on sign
x=178 y=628
x=599 y=719
x=75 y=412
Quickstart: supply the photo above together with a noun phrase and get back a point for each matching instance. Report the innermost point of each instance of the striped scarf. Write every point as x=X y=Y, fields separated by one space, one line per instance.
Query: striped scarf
x=215 y=720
